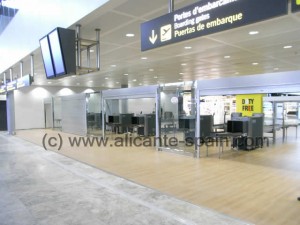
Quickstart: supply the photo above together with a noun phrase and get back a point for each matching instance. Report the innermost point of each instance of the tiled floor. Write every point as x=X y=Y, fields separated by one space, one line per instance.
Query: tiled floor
x=43 y=187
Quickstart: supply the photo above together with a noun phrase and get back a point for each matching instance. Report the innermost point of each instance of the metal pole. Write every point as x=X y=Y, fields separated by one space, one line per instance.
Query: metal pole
x=11 y=74
x=4 y=78
x=274 y=121
x=21 y=69
x=32 y=65
x=197 y=133
x=171 y=6
x=78 y=38
x=98 y=48
x=88 y=55
x=103 y=115
x=158 y=118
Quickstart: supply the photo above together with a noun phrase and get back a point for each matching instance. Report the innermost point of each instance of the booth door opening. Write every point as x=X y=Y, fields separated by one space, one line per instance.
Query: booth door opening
x=3 y=116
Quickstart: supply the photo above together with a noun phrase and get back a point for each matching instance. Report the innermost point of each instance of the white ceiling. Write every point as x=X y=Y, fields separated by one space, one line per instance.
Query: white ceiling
x=173 y=63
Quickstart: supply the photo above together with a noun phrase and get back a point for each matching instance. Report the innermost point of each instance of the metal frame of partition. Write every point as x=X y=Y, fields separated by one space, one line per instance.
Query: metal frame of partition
x=280 y=99
x=180 y=123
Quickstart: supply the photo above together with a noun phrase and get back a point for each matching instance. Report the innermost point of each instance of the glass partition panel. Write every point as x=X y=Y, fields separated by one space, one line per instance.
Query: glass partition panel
x=94 y=114
x=57 y=118
x=178 y=118
x=130 y=118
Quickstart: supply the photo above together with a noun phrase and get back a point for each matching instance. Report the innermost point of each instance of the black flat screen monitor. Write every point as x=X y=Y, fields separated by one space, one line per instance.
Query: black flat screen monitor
x=57 y=55
x=47 y=57
x=235 y=126
x=135 y=120
x=110 y=119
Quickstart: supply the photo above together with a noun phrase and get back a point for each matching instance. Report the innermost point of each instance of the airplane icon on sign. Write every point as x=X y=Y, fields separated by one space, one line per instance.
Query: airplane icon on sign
x=166 y=33
x=165 y=30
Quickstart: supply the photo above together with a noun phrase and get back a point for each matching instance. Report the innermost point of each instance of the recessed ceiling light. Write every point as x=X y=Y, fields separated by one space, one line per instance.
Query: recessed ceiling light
x=236 y=73
x=187 y=47
x=287 y=46
x=106 y=78
x=276 y=68
x=117 y=82
x=179 y=79
x=129 y=35
x=151 y=70
x=227 y=57
x=113 y=65
x=92 y=50
x=254 y=32
x=255 y=64
x=181 y=73
x=183 y=64
x=140 y=84
x=134 y=80
x=91 y=81
x=49 y=82
x=155 y=77
x=125 y=74
x=144 y=58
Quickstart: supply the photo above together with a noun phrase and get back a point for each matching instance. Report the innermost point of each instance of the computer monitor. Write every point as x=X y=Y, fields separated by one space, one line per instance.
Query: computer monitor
x=134 y=120
x=235 y=126
x=110 y=119
x=47 y=57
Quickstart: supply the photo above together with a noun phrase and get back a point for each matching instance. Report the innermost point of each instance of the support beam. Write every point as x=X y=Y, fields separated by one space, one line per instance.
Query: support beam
x=10 y=112
x=21 y=68
x=171 y=6
x=32 y=66
x=78 y=39
x=88 y=56
x=11 y=74
x=4 y=75
x=197 y=131
x=98 y=48
x=158 y=118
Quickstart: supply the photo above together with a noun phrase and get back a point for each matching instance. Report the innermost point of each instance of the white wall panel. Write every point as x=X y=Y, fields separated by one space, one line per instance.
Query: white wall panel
x=74 y=114
x=29 y=105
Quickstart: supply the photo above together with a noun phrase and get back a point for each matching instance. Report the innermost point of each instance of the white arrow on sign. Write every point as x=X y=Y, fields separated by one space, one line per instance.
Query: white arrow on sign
x=153 y=37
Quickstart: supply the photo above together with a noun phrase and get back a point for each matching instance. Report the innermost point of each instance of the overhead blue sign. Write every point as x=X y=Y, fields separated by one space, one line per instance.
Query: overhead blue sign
x=207 y=17
x=2 y=89
x=24 y=81
x=295 y=5
x=11 y=86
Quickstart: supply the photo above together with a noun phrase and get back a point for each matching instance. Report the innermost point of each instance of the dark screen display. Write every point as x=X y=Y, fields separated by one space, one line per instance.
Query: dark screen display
x=110 y=119
x=134 y=120
x=56 y=51
x=46 y=53
x=235 y=126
